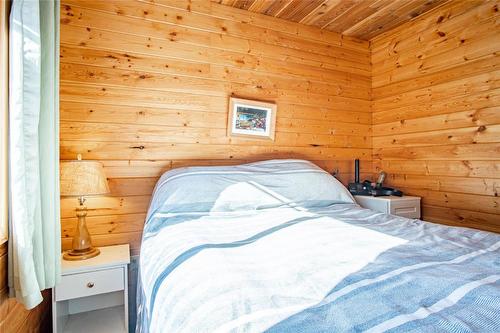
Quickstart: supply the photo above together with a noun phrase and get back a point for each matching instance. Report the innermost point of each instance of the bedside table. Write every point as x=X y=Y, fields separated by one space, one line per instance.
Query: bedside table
x=93 y=294
x=405 y=206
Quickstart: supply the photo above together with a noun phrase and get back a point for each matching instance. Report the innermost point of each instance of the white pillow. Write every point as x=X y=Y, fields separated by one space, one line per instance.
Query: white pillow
x=260 y=185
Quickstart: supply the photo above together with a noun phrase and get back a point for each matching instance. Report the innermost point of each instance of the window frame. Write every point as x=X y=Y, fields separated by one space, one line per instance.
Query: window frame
x=4 y=107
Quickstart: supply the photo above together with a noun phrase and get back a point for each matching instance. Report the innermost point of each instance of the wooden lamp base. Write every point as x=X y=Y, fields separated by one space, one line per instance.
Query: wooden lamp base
x=82 y=244
x=81 y=254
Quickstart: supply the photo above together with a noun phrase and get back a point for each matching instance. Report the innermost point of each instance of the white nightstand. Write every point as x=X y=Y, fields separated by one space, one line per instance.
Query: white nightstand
x=93 y=294
x=405 y=206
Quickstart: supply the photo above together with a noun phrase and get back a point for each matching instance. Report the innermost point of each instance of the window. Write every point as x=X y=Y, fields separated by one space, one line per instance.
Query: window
x=4 y=93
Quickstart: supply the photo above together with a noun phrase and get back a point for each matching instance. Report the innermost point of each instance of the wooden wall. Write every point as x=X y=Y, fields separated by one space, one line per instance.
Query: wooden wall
x=436 y=112
x=145 y=88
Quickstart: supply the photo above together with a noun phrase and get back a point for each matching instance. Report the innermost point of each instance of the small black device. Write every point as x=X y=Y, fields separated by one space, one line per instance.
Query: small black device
x=368 y=188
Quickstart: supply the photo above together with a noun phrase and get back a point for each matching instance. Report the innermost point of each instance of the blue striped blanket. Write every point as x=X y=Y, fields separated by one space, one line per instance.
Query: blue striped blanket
x=280 y=246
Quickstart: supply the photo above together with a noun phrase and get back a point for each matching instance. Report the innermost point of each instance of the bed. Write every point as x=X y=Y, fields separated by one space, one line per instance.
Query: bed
x=281 y=246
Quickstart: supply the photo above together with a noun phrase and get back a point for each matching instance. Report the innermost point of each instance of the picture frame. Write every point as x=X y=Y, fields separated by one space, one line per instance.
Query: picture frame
x=251 y=119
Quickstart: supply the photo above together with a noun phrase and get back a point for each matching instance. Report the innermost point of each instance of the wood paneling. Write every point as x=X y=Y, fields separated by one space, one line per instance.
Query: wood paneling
x=436 y=112
x=155 y=97
x=363 y=19
x=145 y=88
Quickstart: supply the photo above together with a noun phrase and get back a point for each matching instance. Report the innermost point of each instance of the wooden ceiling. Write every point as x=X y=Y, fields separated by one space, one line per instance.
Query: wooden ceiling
x=363 y=19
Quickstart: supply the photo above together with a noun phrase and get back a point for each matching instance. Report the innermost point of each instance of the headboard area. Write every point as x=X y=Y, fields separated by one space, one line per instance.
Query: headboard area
x=156 y=98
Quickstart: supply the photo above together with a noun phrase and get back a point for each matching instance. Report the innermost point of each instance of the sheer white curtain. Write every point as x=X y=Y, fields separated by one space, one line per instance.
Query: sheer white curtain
x=34 y=222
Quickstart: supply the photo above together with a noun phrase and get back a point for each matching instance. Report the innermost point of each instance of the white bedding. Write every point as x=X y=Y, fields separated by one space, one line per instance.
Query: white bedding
x=280 y=246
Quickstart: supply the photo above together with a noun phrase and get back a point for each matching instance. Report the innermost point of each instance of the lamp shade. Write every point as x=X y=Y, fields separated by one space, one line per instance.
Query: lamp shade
x=82 y=178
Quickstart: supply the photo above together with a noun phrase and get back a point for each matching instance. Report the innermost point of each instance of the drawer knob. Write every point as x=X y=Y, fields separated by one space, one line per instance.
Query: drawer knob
x=90 y=285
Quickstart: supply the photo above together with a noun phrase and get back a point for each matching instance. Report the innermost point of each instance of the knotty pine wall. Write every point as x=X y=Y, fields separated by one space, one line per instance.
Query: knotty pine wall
x=145 y=88
x=436 y=112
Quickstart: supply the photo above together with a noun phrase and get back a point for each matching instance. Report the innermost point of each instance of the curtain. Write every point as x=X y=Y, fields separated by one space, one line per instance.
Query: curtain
x=34 y=221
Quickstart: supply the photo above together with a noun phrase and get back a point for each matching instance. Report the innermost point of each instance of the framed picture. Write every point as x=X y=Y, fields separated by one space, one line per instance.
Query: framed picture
x=251 y=118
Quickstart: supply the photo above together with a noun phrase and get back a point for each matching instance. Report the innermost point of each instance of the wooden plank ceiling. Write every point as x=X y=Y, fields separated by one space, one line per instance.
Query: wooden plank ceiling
x=363 y=19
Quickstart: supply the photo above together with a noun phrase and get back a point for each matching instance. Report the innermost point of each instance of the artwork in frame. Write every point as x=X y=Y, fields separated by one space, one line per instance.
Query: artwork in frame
x=252 y=119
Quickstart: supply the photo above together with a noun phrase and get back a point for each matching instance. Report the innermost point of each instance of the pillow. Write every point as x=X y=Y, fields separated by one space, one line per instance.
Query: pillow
x=260 y=185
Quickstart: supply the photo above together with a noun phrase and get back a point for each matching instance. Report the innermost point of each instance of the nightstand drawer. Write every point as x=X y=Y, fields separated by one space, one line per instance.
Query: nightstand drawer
x=406 y=208
x=90 y=283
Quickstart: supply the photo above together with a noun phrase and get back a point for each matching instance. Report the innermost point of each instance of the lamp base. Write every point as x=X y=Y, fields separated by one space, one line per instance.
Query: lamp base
x=81 y=254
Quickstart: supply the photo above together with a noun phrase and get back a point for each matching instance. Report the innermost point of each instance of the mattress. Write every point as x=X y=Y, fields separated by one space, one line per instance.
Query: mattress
x=281 y=246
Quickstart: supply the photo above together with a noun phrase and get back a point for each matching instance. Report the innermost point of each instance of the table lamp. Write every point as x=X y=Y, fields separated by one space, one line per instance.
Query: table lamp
x=80 y=179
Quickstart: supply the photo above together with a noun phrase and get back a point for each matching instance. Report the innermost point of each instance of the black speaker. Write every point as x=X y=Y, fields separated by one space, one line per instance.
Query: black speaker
x=356 y=170
x=367 y=188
